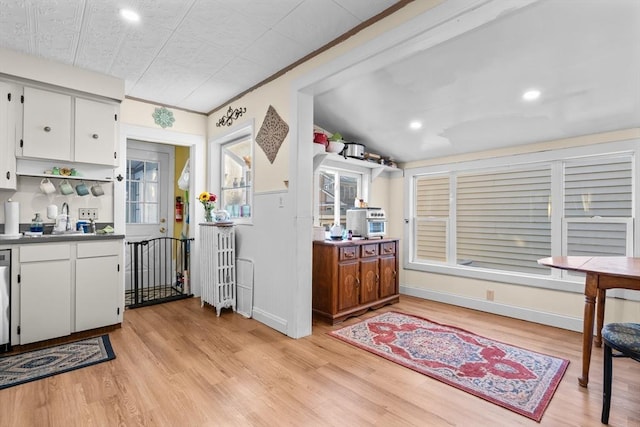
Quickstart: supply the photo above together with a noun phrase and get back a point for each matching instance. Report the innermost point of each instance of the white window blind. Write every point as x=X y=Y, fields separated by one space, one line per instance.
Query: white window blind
x=503 y=218
x=598 y=197
x=432 y=218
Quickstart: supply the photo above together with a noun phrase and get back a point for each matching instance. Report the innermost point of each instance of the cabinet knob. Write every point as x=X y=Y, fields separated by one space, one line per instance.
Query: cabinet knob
x=95 y=136
x=47 y=128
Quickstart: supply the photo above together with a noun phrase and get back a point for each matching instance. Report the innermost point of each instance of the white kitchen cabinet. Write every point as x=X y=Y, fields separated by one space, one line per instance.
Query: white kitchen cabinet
x=63 y=127
x=47 y=125
x=9 y=123
x=95 y=132
x=45 y=292
x=97 y=284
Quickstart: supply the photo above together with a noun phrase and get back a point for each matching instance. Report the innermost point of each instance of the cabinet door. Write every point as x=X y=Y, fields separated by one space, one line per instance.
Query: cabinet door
x=9 y=102
x=47 y=125
x=96 y=292
x=95 y=132
x=348 y=285
x=388 y=277
x=45 y=300
x=369 y=280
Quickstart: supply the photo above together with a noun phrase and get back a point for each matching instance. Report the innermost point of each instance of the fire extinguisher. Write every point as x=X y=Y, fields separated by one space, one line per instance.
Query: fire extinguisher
x=179 y=208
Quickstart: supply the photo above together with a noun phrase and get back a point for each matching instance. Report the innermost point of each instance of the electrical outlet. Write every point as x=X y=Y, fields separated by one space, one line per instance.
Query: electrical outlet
x=490 y=295
x=88 y=213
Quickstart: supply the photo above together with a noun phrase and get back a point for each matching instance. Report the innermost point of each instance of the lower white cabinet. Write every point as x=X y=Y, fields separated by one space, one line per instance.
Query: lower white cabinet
x=45 y=292
x=96 y=290
x=69 y=287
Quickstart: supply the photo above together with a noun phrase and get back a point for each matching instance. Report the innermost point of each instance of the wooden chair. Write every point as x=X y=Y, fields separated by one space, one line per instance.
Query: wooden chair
x=625 y=339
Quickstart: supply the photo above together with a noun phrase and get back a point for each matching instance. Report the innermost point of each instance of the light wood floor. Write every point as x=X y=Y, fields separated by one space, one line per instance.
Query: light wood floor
x=179 y=365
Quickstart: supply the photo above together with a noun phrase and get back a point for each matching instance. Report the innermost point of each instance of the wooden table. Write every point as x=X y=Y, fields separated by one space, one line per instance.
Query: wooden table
x=602 y=273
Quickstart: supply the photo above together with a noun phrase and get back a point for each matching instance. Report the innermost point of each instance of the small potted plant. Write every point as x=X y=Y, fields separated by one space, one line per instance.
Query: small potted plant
x=336 y=144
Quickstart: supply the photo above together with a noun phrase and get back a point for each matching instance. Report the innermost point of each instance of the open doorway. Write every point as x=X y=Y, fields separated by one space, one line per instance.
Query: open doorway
x=157 y=263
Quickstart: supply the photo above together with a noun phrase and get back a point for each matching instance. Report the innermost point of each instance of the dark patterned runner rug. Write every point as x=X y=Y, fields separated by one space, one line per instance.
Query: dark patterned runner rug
x=512 y=377
x=37 y=364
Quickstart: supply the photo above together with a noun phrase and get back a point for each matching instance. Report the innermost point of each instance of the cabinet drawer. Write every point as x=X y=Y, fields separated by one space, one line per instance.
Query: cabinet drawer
x=388 y=248
x=349 y=252
x=94 y=249
x=369 y=250
x=46 y=252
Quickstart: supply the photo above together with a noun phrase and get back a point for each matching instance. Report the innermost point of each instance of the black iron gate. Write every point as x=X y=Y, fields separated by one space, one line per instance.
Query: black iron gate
x=159 y=271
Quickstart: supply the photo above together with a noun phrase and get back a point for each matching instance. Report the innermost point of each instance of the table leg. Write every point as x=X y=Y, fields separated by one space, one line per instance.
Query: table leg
x=600 y=302
x=590 y=292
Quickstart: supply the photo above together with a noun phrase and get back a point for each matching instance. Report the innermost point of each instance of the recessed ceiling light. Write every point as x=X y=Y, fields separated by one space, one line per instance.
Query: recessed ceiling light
x=129 y=15
x=415 y=125
x=531 y=95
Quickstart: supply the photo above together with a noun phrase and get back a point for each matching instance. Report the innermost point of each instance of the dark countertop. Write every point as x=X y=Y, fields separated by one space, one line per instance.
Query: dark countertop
x=56 y=238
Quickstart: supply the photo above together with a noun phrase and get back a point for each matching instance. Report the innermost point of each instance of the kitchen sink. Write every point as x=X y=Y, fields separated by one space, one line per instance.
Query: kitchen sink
x=69 y=233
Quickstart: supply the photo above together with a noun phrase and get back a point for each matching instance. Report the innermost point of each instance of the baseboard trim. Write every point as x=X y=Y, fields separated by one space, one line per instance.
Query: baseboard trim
x=549 y=319
x=270 y=320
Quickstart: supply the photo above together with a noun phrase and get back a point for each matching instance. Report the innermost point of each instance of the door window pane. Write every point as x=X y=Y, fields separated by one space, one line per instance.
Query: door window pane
x=142 y=192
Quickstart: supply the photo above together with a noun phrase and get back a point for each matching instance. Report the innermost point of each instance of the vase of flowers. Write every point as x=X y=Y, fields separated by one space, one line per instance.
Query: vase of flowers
x=208 y=200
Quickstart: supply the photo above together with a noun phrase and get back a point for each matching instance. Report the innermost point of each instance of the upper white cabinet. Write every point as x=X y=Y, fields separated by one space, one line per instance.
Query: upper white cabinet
x=64 y=127
x=95 y=132
x=47 y=125
x=10 y=123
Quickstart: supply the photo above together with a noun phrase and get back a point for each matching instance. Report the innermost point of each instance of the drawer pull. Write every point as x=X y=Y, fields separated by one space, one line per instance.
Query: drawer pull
x=47 y=128
x=349 y=255
x=388 y=250
x=369 y=252
x=95 y=136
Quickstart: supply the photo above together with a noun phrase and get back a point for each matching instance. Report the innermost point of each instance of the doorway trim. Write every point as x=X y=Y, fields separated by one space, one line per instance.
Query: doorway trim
x=197 y=147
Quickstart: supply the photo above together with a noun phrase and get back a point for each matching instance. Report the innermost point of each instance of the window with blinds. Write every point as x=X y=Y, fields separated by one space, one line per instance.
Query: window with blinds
x=598 y=207
x=498 y=214
x=503 y=218
x=432 y=218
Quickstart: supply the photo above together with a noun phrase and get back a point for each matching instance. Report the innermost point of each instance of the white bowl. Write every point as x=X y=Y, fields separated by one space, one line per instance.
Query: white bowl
x=335 y=146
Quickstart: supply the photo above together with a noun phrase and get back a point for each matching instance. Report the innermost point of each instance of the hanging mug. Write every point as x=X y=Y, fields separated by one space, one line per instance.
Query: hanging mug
x=97 y=190
x=65 y=188
x=47 y=186
x=82 y=189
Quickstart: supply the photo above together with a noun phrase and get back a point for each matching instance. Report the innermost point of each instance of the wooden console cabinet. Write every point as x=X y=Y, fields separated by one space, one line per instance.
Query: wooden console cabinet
x=353 y=276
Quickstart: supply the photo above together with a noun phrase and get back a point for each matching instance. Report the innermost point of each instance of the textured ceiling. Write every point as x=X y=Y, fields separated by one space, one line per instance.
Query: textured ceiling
x=584 y=57
x=192 y=54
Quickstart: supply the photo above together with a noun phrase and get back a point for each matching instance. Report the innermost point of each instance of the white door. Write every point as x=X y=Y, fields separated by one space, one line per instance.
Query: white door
x=149 y=194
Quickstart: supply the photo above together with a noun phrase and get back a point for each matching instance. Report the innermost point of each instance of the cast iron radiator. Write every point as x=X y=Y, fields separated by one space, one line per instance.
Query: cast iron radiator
x=158 y=270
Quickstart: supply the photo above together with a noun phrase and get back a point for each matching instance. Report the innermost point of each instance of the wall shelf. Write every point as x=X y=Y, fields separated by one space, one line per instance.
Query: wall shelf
x=320 y=156
x=89 y=172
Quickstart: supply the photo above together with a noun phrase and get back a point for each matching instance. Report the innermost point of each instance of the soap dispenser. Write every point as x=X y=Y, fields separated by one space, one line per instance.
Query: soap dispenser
x=37 y=225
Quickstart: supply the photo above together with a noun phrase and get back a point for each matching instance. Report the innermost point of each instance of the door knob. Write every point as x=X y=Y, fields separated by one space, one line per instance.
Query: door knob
x=163 y=230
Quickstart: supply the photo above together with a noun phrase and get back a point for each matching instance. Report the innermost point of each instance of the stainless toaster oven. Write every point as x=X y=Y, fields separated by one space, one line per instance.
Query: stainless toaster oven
x=367 y=222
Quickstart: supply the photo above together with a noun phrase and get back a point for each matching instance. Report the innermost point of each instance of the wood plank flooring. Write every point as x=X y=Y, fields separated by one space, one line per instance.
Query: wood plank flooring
x=179 y=365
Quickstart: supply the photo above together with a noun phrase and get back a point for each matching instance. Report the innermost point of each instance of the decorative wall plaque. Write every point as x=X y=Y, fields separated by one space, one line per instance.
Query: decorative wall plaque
x=232 y=114
x=163 y=117
x=272 y=133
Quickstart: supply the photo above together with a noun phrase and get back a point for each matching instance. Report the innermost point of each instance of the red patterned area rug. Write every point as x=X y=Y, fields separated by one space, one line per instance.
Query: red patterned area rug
x=517 y=379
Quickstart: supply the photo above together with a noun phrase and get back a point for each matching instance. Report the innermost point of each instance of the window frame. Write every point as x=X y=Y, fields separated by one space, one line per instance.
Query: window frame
x=555 y=280
x=215 y=167
x=363 y=178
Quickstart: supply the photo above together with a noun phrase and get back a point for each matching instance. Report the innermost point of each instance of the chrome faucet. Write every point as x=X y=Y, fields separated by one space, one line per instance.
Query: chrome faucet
x=67 y=222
